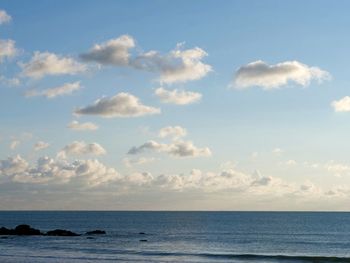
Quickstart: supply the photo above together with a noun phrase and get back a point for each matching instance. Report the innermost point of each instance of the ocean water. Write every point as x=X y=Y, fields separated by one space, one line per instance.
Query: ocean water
x=181 y=237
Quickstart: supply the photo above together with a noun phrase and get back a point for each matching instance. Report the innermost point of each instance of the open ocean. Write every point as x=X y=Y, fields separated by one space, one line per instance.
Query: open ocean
x=181 y=237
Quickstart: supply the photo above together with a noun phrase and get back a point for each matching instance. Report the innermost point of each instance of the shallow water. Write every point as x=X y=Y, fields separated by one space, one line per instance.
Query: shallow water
x=181 y=237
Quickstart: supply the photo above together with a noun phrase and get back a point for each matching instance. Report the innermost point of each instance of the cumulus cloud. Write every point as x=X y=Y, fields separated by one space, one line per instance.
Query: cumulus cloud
x=342 y=105
x=177 y=66
x=85 y=126
x=7 y=49
x=113 y=52
x=261 y=74
x=120 y=105
x=174 y=132
x=4 y=17
x=70 y=178
x=13 y=165
x=82 y=148
x=41 y=146
x=65 y=89
x=45 y=63
x=179 y=97
x=177 y=149
x=85 y=173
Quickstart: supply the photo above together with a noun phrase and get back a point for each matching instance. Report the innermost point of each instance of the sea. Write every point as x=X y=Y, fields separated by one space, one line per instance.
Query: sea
x=179 y=237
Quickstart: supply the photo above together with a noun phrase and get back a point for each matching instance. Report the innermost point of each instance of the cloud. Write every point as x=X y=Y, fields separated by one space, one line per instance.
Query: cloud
x=337 y=169
x=10 y=81
x=7 y=49
x=14 y=144
x=65 y=89
x=277 y=151
x=261 y=74
x=85 y=126
x=4 y=17
x=177 y=66
x=291 y=163
x=179 y=97
x=13 y=165
x=120 y=105
x=41 y=146
x=113 y=52
x=45 y=63
x=174 y=132
x=176 y=149
x=142 y=160
x=342 y=105
x=82 y=148
x=84 y=173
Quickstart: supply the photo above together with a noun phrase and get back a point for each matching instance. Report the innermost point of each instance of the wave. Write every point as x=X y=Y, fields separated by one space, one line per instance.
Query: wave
x=257 y=257
x=211 y=256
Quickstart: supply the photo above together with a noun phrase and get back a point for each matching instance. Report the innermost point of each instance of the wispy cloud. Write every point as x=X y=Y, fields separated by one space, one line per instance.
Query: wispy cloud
x=180 y=97
x=65 y=89
x=84 y=126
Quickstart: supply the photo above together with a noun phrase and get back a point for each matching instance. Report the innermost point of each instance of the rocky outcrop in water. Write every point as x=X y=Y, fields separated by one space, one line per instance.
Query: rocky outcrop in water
x=20 y=230
x=27 y=230
x=96 y=232
x=61 y=232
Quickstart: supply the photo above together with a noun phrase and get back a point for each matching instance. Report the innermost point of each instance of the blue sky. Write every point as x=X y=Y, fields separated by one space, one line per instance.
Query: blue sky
x=247 y=142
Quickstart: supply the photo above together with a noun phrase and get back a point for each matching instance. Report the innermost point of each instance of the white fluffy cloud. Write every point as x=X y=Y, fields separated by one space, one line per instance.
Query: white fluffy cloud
x=177 y=66
x=82 y=148
x=4 y=17
x=342 y=105
x=174 y=132
x=267 y=76
x=85 y=126
x=85 y=173
x=65 y=89
x=7 y=49
x=13 y=165
x=120 y=105
x=113 y=52
x=180 y=97
x=45 y=63
x=177 y=149
x=41 y=146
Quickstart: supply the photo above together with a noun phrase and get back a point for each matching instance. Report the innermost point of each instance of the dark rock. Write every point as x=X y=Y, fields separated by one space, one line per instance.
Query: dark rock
x=26 y=230
x=96 y=232
x=20 y=230
x=6 y=231
x=61 y=232
x=142 y=233
x=90 y=238
x=4 y=237
x=143 y=240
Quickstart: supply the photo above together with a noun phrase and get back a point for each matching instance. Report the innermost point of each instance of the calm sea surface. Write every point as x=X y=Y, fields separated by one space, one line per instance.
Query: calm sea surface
x=181 y=237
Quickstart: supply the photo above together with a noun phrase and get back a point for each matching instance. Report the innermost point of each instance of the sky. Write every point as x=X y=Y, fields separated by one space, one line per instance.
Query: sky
x=163 y=105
